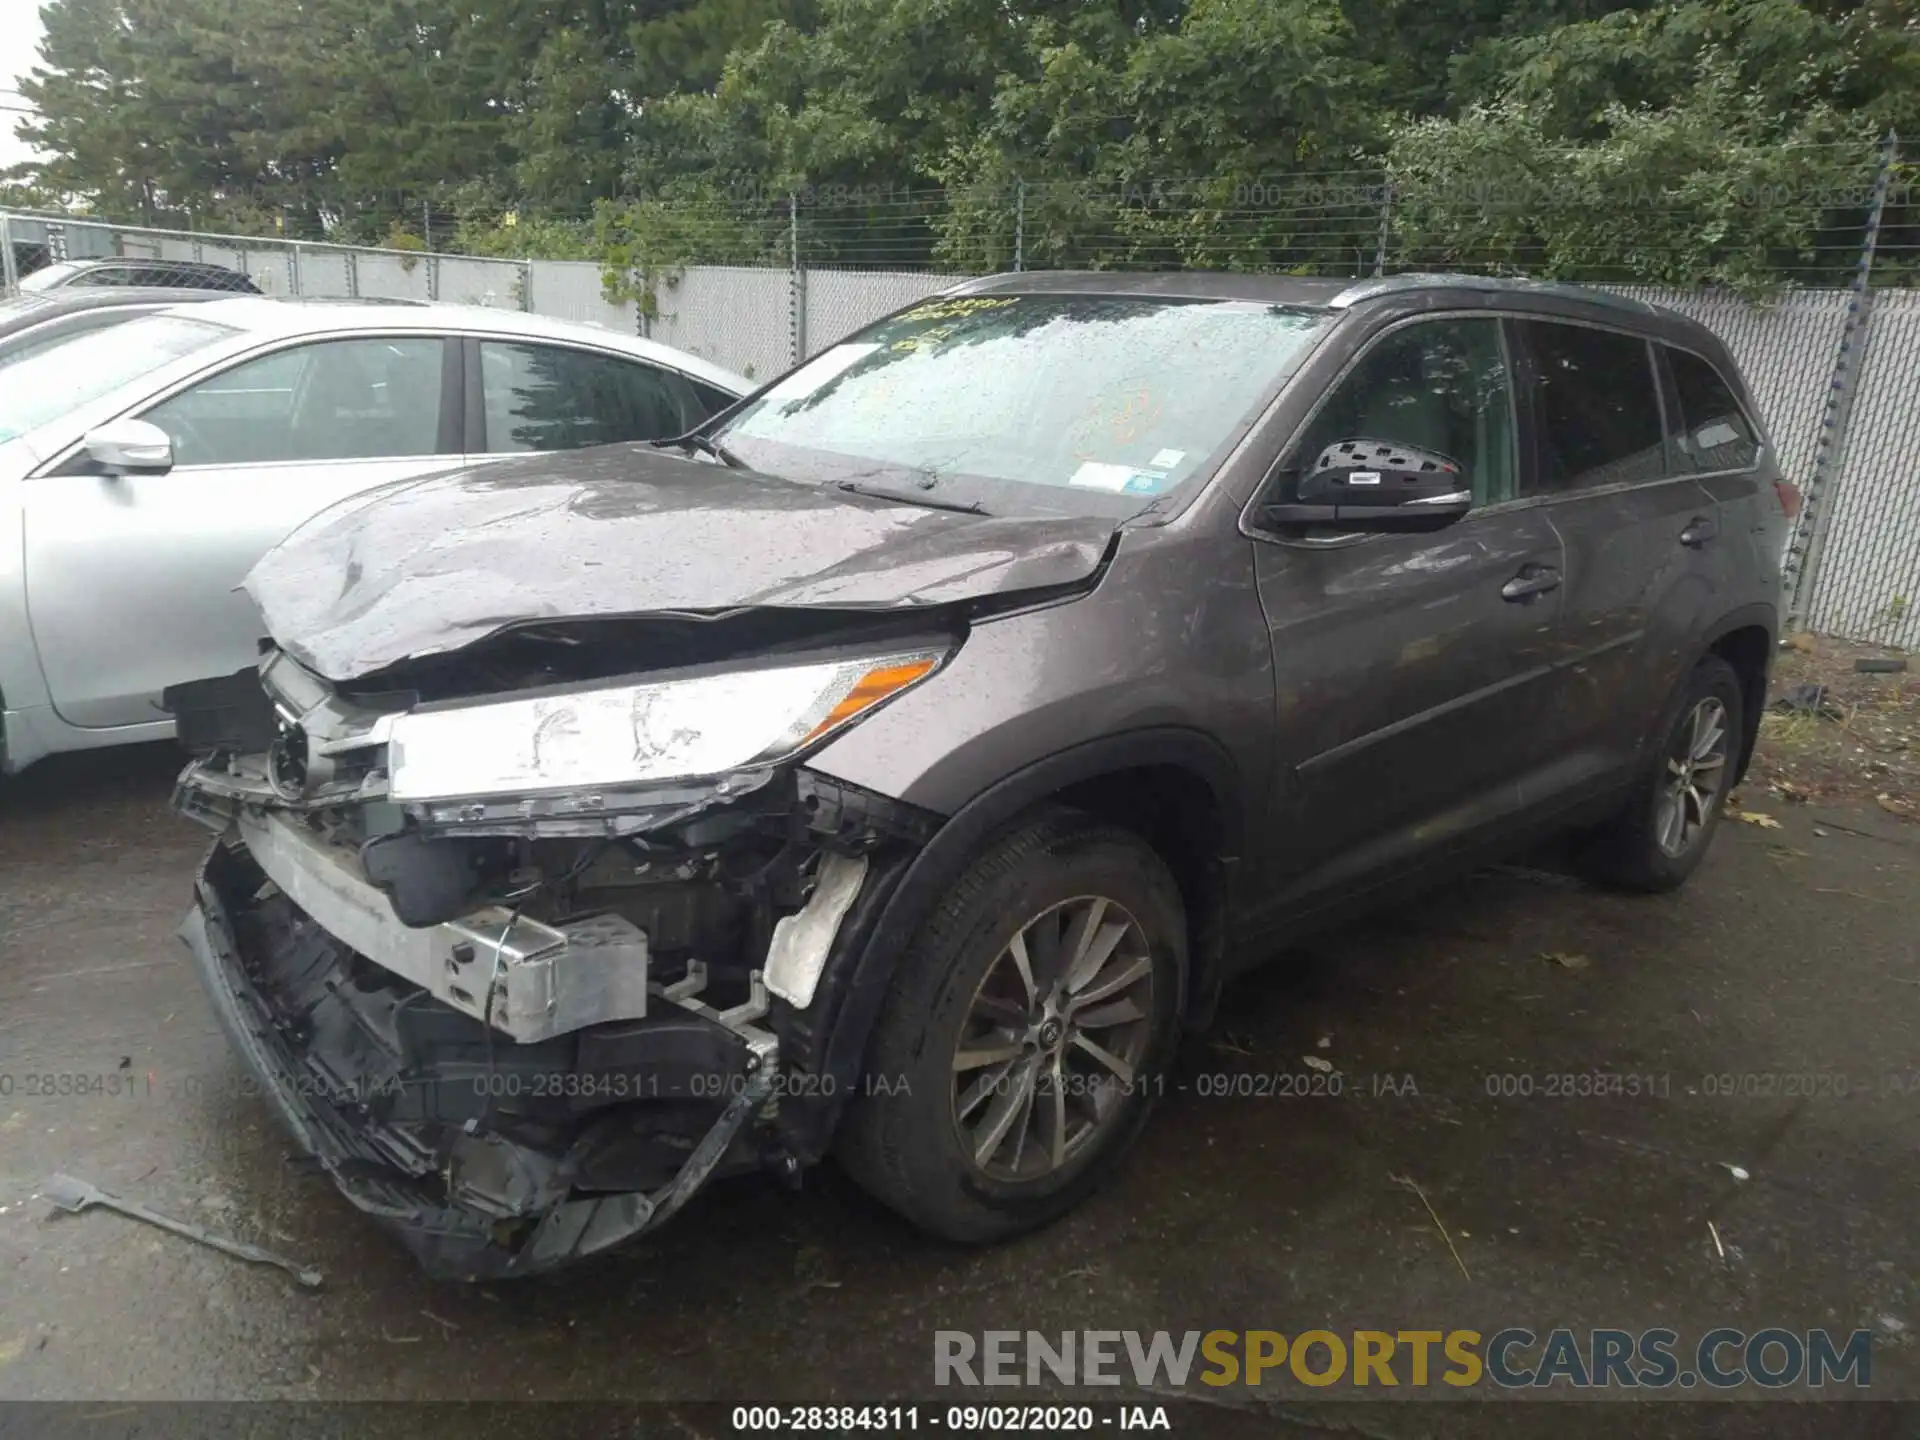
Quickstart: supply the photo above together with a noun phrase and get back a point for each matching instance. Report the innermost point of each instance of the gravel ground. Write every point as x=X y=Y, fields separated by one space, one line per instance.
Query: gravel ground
x=1860 y=742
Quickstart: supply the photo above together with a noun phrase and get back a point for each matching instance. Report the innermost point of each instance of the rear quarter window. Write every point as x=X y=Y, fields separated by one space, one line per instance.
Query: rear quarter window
x=708 y=401
x=1713 y=432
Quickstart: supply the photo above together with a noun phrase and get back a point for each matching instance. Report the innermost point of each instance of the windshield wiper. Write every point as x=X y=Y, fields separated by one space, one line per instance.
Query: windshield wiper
x=705 y=444
x=908 y=497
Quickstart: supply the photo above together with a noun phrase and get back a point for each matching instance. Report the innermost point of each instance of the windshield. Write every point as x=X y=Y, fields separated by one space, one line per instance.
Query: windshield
x=82 y=369
x=48 y=276
x=1079 y=404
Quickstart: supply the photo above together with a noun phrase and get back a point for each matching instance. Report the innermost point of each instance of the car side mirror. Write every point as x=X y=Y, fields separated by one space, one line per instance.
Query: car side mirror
x=129 y=447
x=1377 y=485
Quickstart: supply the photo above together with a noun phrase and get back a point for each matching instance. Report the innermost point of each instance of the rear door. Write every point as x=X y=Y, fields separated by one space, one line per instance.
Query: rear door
x=1713 y=435
x=526 y=395
x=1640 y=537
x=133 y=581
x=1411 y=669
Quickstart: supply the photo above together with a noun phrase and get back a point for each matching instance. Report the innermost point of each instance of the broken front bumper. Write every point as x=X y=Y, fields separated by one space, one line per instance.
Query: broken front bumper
x=529 y=980
x=489 y=1022
x=483 y=1158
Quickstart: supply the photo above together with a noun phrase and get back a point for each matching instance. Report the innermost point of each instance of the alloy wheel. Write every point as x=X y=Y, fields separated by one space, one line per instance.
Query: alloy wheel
x=1053 y=1039
x=1696 y=766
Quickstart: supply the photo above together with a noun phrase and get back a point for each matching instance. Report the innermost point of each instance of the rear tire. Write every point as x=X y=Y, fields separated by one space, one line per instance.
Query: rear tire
x=1028 y=1030
x=1660 y=836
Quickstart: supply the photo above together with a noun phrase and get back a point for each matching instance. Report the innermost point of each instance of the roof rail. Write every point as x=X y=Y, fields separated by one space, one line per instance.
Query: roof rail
x=1512 y=284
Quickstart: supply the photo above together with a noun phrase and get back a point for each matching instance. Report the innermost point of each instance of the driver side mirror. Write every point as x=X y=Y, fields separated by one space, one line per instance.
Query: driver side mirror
x=129 y=447
x=1377 y=486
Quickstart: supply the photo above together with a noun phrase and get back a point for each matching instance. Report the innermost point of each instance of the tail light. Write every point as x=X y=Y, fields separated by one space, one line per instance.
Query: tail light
x=1789 y=496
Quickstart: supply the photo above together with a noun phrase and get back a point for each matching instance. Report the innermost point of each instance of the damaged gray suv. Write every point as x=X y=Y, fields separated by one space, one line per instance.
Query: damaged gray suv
x=897 y=766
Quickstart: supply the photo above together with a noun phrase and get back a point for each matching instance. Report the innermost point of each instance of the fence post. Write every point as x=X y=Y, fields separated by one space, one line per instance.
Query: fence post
x=1386 y=226
x=293 y=267
x=9 y=262
x=526 y=284
x=1020 y=224
x=796 y=284
x=353 y=273
x=1809 y=535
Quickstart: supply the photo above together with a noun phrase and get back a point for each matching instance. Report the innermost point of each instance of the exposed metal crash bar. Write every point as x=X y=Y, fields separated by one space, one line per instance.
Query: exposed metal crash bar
x=529 y=980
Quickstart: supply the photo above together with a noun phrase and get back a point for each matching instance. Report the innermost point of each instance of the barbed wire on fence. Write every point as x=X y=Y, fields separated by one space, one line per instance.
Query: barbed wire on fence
x=1333 y=221
x=760 y=279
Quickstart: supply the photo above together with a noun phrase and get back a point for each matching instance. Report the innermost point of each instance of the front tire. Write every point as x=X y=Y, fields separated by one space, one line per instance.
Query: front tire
x=1029 y=1028
x=1660 y=836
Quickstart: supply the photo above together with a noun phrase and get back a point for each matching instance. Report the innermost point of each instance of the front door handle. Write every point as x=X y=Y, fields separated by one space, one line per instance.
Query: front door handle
x=1531 y=581
x=1699 y=531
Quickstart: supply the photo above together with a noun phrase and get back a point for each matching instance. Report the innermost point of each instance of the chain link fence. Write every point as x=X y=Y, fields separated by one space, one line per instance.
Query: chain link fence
x=1859 y=561
x=1864 y=580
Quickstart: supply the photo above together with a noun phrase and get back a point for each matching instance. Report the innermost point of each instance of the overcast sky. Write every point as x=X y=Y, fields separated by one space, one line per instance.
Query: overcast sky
x=19 y=50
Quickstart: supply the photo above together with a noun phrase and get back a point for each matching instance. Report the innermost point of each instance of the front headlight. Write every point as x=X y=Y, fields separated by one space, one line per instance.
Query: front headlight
x=669 y=730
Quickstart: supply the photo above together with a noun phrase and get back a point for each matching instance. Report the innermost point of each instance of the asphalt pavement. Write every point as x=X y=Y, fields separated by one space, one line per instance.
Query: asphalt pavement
x=1762 y=1169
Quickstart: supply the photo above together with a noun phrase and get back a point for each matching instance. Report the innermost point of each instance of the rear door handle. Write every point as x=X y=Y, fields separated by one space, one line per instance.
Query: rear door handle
x=1531 y=581
x=1699 y=531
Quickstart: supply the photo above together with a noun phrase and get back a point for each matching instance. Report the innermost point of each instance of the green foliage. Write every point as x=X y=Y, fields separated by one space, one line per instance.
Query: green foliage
x=510 y=235
x=643 y=245
x=1698 y=144
x=1699 y=141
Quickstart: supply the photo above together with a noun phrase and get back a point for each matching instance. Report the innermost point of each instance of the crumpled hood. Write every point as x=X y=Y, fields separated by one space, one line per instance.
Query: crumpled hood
x=432 y=565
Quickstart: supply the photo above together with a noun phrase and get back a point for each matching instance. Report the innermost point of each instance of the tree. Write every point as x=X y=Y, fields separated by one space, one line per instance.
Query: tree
x=1233 y=133
x=1702 y=143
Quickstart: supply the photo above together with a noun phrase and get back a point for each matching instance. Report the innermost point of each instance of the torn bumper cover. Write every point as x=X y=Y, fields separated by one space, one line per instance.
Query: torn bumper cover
x=376 y=1087
x=560 y=1056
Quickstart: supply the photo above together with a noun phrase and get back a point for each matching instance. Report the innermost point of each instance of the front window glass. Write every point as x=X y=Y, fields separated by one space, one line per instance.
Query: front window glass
x=1441 y=386
x=89 y=366
x=1092 y=404
x=337 y=400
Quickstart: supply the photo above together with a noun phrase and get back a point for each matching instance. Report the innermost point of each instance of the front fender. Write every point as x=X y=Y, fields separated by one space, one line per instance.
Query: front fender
x=879 y=929
x=22 y=686
x=1166 y=664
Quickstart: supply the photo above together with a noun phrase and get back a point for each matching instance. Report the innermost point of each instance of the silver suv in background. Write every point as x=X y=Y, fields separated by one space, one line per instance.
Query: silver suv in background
x=137 y=270
x=898 y=765
x=145 y=468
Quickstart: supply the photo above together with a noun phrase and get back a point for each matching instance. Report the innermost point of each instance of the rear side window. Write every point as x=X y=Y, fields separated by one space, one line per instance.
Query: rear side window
x=1713 y=432
x=1596 y=412
x=545 y=397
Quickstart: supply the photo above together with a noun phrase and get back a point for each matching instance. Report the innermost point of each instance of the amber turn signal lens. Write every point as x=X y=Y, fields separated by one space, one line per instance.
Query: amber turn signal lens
x=872 y=687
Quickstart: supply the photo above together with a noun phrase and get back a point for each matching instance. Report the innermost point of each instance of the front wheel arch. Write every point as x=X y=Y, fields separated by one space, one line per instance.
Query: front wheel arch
x=860 y=968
